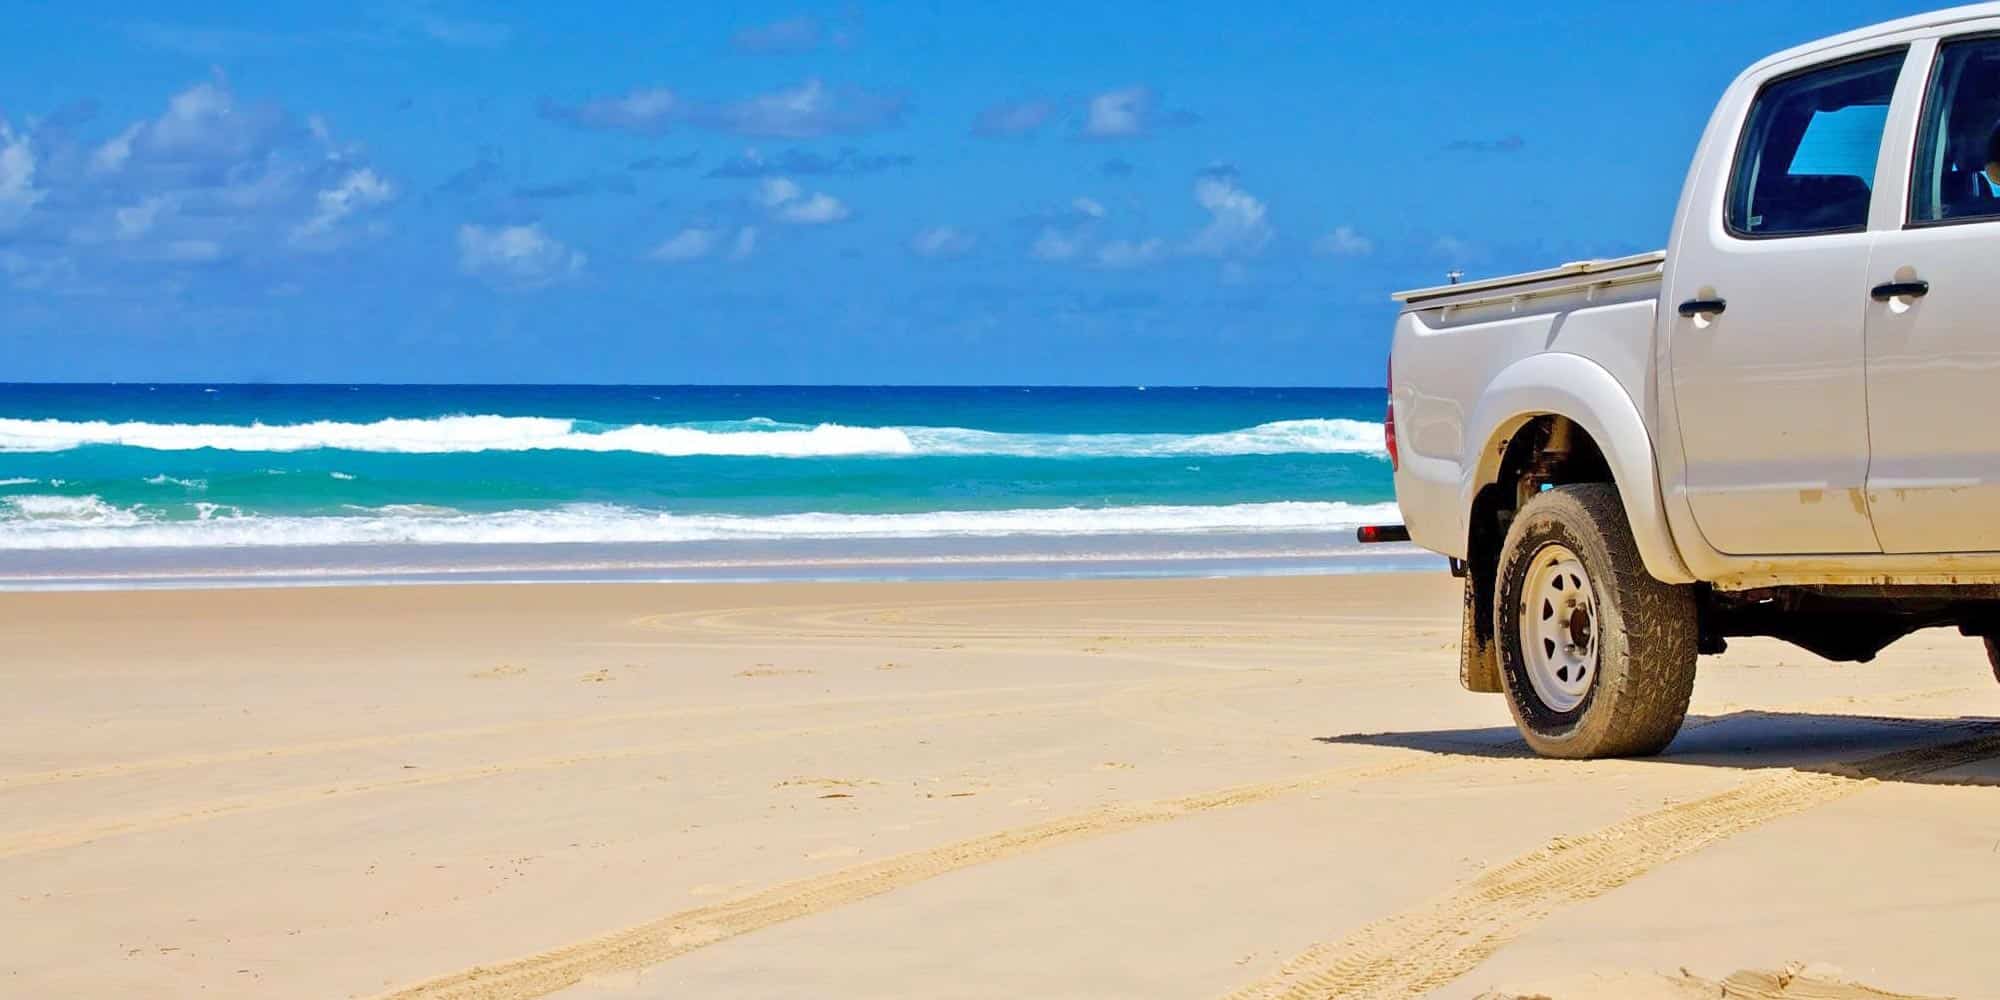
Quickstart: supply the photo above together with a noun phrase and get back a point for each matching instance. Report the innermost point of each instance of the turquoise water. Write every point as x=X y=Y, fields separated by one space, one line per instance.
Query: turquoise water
x=191 y=482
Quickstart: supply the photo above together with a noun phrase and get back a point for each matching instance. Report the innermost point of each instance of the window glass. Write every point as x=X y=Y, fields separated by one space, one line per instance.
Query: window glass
x=1958 y=149
x=1807 y=163
x=1842 y=143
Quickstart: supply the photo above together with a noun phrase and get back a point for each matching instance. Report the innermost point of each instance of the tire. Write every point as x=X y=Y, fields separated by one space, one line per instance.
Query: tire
x=1604 y=669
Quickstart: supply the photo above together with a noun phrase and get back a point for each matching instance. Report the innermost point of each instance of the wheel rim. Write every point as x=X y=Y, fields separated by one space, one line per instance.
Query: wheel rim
x=1559 y=626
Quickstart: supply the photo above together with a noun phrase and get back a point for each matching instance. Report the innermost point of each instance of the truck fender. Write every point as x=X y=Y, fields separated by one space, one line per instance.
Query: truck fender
x=1575 y=387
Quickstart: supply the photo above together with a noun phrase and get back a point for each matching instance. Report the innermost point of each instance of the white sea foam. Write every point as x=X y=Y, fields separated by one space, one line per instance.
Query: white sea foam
x=165 y=480
x=1282 y=437
x=751 y=438
x=34 y=513
x=211 y=511
x=47 y=522
x=19 y=481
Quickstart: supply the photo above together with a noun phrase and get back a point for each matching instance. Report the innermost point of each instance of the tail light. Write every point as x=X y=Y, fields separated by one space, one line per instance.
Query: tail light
x=1389 y=423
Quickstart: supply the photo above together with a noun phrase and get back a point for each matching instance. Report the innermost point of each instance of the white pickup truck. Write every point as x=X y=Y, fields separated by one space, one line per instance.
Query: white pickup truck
x=1786 y=424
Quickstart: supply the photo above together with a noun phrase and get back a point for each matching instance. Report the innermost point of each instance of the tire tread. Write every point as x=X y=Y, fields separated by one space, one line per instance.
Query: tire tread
x=1639 y=703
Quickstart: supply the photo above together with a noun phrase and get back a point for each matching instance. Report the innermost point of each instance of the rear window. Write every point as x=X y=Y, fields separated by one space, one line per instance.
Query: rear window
x=1807 y=161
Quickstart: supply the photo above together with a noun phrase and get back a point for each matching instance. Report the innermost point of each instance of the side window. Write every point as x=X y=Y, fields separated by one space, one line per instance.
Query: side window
x=1958 y=149
x=1807 y=161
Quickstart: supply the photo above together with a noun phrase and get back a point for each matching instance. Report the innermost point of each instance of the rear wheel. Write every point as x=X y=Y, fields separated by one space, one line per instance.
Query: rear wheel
x=1596 y=656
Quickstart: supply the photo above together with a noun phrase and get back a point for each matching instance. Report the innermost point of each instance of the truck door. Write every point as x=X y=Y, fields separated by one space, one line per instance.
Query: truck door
x=1934 y=323
x=1765 y=339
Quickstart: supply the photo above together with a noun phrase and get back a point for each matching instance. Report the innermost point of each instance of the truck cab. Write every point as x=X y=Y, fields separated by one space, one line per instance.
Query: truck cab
x=1786 y=423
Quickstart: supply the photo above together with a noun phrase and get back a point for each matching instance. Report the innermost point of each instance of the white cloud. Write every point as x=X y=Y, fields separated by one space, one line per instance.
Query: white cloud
x=1080 y=213
x=1117 y=113
x=777 y=191
x=787 y=202
x=359 y=189
x=111 y=157
x=210 y=177
x=644 y=111
x=689 y=244
x=207 y=138
x=135 y=221
x=1238 y=227
x=697 y=242
x=1129 y=113
x=941 y=241
x=1344 y=241
x=1129 y=253
x=17 y=177
x=792 y=114
x=807 y=111
x=1237 y=224
x=516 y=256
x=192 y=113
x=1066 y=232
x=206 y=122
x=1057 y=245
x=816 y=210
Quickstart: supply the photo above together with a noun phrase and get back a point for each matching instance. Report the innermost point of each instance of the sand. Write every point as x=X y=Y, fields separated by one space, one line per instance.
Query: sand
x=1203 y=789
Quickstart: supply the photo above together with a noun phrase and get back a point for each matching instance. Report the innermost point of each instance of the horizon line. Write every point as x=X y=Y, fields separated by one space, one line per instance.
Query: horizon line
x=682 y=385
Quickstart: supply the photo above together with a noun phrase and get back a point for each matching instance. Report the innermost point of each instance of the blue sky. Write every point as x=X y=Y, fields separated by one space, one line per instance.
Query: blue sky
x=1108 y=193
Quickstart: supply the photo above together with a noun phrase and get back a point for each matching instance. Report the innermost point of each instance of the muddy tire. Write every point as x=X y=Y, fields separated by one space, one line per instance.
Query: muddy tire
x=1596 y=656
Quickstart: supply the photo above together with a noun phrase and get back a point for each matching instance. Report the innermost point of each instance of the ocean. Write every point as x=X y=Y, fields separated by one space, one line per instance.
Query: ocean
x=189 y=485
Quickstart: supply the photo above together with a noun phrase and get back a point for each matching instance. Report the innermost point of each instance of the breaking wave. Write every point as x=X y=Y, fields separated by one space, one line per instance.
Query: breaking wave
x=757 y=437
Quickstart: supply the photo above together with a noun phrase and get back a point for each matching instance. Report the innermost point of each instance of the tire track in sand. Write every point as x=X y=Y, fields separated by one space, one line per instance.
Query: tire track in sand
x=677 y=934
x=1416 y=951
x=1396 y=957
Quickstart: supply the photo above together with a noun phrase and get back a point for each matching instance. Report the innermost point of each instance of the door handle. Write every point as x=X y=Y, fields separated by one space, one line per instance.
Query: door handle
x=1703 y=307
x=1900 y=290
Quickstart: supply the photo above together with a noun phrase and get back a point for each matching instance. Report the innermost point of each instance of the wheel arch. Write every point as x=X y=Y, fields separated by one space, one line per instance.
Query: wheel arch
x=1565 y=394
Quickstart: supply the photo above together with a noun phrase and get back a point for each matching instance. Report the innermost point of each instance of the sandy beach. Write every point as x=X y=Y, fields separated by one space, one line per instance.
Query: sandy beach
x=1191 y=788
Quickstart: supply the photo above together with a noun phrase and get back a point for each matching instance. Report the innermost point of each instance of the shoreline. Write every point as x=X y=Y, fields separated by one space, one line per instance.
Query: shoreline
x=926 y=561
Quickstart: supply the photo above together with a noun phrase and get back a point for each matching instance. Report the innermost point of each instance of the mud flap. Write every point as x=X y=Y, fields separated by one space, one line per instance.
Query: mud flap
x=1478 y=657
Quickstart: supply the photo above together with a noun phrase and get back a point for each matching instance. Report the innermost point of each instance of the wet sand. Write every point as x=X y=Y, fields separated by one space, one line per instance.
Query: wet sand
x=1254 y=788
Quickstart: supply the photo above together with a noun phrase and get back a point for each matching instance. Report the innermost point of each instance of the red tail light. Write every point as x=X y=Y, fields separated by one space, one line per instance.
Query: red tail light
x=1389 y=422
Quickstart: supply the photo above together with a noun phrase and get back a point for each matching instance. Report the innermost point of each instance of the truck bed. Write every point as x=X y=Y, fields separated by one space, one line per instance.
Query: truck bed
x=1548 y=281
x=1453 y=343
